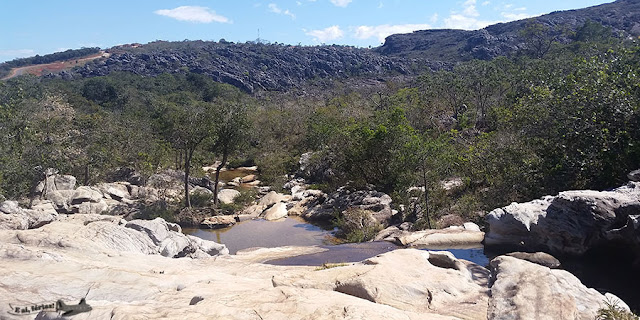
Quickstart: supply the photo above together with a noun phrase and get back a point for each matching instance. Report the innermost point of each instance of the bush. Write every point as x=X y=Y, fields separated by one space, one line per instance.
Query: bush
x=159 y=209
x=201 y=199
x=612 y=311
x=246 y=197
x=357 y=225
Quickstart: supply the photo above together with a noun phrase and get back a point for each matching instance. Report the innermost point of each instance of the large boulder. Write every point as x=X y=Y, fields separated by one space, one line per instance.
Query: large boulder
x=322 y=206
x=541 y=258
x=65 y=182
x=453 y=237
x=442 y=285
x=13 y=217
x=157 y=230
x=276 y=212
x=570 y=223
x=218 y=222
x=89 y=207
x=227 y=196
x=272 y=198
x=107 y=234
x=9 y=207
x=525 y=290
x=115 y=190
x=86 y=194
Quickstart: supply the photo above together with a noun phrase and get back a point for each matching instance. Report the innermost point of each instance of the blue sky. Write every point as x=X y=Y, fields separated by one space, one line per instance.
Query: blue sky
x=31 y=27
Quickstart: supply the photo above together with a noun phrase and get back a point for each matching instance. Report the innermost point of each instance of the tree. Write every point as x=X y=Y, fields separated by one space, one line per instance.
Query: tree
x=538 y=38
x=186 y=124
x=230 y=133
x=433 y=158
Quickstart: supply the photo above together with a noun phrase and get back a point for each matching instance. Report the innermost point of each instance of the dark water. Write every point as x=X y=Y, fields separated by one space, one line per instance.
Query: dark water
x=266 y=234
x=355 y=252
x=475 y=255
x=609 y=269
x=350 y=252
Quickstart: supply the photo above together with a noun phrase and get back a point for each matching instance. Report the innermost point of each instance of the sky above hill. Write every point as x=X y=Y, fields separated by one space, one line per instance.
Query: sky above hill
x=31 y=27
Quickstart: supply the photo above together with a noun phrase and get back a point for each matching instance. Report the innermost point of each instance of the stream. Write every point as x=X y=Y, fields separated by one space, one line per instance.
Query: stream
x=296 y=232
x=594 y=270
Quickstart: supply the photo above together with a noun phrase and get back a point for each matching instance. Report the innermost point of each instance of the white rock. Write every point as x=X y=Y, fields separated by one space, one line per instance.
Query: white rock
x=65 y=182
x=470 y=226
x=227 y=196
x=9 y=207
x=86 y=194
x=525 y=290
x=277 y=211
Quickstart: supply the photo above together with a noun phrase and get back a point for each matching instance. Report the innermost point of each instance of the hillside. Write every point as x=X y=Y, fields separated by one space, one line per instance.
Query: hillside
x=622 y=16
x=255 y=66
x=251 y=66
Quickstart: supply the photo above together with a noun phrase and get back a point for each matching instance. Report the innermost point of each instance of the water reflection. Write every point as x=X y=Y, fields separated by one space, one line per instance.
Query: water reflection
x=267 y=234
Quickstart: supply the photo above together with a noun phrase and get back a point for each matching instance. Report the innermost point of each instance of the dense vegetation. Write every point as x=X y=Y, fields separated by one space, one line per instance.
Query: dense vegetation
x=47 y=58
x=510 y=129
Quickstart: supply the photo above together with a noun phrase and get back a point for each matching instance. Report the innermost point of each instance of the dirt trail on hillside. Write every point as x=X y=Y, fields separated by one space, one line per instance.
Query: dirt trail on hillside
x=54 y=66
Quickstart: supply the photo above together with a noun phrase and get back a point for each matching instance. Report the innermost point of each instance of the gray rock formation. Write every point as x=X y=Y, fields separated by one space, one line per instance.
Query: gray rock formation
x=570 y=223
x=525 y=290
x=541 y=258
x=227 y=196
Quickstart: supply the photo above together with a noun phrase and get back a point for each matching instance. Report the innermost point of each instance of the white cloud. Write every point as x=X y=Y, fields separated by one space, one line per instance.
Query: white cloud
x=470 y=8
x=486 y=3
x=382 y=31
x=457 y=21
x=467 y=19
x=341 y=3
x=193 y=14
x=326 y=34
x=275 y=9
x=434 y=18
x=18 y=53
x=510 y=16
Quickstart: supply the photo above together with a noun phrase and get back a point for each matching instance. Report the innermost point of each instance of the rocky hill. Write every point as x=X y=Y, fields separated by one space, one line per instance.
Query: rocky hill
x=250 y=66
x=255 y=66
x=502 y=39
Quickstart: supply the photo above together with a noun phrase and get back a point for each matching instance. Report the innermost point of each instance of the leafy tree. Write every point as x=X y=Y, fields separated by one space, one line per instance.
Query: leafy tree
x=230 y=134
x=538 y=38
x=187 y=123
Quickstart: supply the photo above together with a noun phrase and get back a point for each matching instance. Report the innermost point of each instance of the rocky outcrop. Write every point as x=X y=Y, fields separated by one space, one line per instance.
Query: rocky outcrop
x=541 y=258
x=570 y=223
x=248 y=66
x=442 y=285
x=124 y=270
x=12 y=216
x=227 y=196
x=319 y=206
x=525 y=290
x=112 y=235
x=505 y=39
x=467 y=236
x=218 y=222
x=275 y=212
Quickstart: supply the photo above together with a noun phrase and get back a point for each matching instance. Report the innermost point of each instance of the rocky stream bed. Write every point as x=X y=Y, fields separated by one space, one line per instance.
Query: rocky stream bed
x=85 y=243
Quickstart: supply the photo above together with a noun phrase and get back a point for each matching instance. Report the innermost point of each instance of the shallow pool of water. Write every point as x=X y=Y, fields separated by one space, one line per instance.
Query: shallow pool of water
x=350 y=252
x=355 y=252
x=266 y=234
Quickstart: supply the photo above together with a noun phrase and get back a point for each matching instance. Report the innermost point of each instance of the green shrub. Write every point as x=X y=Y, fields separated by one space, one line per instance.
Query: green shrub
x=201 y=199
x=612 y=311
x=159 y=209
x=357 y=225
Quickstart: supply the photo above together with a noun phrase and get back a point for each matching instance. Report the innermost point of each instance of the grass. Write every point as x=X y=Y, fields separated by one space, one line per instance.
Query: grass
x=327 y=265
x=612 y=311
